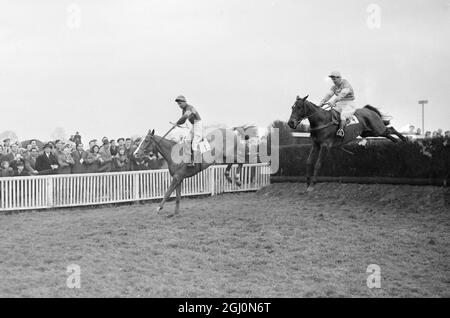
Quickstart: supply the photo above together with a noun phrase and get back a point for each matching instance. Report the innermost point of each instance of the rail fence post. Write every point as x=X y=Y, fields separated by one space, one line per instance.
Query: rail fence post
x=212 y=171
x=49 y=187
x=136 y=187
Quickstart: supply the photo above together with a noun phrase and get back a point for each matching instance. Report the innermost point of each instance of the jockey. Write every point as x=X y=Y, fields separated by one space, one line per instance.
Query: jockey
x=343 y=103
x=196 y=134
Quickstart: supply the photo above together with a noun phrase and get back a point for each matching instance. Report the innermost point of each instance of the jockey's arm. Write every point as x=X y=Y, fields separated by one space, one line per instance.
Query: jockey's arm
x=183 y=118
x=326 y=98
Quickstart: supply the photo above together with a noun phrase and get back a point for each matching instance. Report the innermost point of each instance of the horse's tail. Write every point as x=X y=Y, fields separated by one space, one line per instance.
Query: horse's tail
x=386 y=120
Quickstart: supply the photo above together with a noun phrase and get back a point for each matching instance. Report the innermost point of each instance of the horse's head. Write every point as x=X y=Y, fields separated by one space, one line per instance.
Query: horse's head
x=147 y=146
x=298 y=112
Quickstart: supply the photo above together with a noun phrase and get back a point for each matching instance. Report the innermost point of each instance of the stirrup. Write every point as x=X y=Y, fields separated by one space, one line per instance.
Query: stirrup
x=340 y=132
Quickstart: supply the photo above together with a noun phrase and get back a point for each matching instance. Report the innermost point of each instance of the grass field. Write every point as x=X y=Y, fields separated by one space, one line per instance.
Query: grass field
x=278 y=242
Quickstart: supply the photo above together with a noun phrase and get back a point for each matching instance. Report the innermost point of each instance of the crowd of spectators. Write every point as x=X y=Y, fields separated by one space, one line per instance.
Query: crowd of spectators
x=417 y=133
x=71 y=157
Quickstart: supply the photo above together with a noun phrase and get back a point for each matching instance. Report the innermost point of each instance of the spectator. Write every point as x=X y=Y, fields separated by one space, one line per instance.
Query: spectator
x=447 y=134
x=21 y=171
x=412 y=130
x=121 y=161
x=92 y=143
x=30 y=161
x=65 y=161
x=77 y=138
x=34 y=144
x=47 y=162
x=419 y=131
x=120 y=142
x=79 y=157
x=59 y=146
x=435 y=134
x=129 y=150
x=6 y=170
x=2 y=153
x=128 y=146
x=105 y=157
x=14 y=156
x=428 y=134
x=113 y=147
x=28 y=148
x=6 y=144
x=93 y=160
x=439 y=132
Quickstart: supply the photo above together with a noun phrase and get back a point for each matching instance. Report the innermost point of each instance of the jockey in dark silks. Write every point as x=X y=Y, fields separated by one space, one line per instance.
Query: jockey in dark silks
x=196 y=134
x=343 y=103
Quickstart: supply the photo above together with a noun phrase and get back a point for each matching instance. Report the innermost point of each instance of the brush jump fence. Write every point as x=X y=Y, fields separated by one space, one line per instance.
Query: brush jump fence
x=57 y=191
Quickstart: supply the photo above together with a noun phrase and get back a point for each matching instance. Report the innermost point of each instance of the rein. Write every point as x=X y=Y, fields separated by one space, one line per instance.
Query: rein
x=332 y=122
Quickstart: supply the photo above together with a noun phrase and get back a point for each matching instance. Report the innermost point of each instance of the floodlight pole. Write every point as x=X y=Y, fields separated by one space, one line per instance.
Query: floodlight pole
x=423 y=102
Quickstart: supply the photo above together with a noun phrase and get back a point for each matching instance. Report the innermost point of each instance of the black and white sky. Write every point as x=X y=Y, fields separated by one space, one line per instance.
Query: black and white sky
x=113 y=68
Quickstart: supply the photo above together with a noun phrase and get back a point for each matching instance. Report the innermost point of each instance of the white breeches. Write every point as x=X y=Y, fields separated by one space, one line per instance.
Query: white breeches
x=196 y=134
x=346 y=109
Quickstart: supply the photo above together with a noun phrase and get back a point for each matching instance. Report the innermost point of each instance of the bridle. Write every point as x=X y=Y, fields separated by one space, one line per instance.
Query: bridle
x=302 y=118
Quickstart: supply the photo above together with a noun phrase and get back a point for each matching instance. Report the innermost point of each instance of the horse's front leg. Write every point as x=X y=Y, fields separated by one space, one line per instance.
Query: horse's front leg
x=310 y=163
x=317 y=166
x=175 y=182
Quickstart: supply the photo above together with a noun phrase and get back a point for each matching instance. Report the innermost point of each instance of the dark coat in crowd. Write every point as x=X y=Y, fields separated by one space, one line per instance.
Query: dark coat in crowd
x=44 y=162
x=23 y=173
x=92 y=162
x=79 y=167
x=7 y=172
x=65 y=162
x=30 y=162
x=121 y=163
x=106 y=160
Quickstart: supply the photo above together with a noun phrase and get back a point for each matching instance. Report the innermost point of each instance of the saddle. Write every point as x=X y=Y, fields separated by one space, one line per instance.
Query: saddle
x=336 y=118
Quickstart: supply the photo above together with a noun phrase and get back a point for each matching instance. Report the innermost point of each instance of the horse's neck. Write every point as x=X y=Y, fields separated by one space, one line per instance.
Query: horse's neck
x=316 y=115
x=164 y=147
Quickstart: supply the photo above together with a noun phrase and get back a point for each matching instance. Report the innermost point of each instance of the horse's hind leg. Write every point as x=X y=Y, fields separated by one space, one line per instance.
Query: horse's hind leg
x=388 y=136
x=227 y=173
x=173 y=185
x=393 y=131
x=237 y=177
x=177 y=203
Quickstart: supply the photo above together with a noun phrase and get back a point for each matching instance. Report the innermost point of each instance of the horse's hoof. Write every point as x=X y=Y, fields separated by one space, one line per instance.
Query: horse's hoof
x=158 y=209
x=310 y=189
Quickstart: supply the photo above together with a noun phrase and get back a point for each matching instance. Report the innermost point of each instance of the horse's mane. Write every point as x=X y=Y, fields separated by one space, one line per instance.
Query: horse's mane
x=159 y=139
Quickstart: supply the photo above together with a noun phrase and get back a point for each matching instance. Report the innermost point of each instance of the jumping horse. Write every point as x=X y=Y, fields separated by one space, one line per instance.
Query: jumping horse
x=155 y=145
x=324 y=125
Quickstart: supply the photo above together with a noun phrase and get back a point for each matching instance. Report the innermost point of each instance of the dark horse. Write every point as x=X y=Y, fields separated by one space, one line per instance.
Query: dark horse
x=154 y=145
x=323 y=127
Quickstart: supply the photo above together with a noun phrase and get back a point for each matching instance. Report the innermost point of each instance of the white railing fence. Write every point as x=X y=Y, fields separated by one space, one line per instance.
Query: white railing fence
x=23 y=193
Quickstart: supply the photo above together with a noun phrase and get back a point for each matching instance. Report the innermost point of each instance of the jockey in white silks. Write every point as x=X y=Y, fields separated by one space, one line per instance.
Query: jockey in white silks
x=196 y=134
x=343 y=103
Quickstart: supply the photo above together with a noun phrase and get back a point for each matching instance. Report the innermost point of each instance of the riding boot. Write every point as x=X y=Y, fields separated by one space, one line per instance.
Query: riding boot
x=340 y=131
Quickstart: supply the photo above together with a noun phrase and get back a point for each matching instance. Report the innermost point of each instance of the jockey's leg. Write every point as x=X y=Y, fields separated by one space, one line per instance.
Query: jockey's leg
x=197 y=138
x=346 y=111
